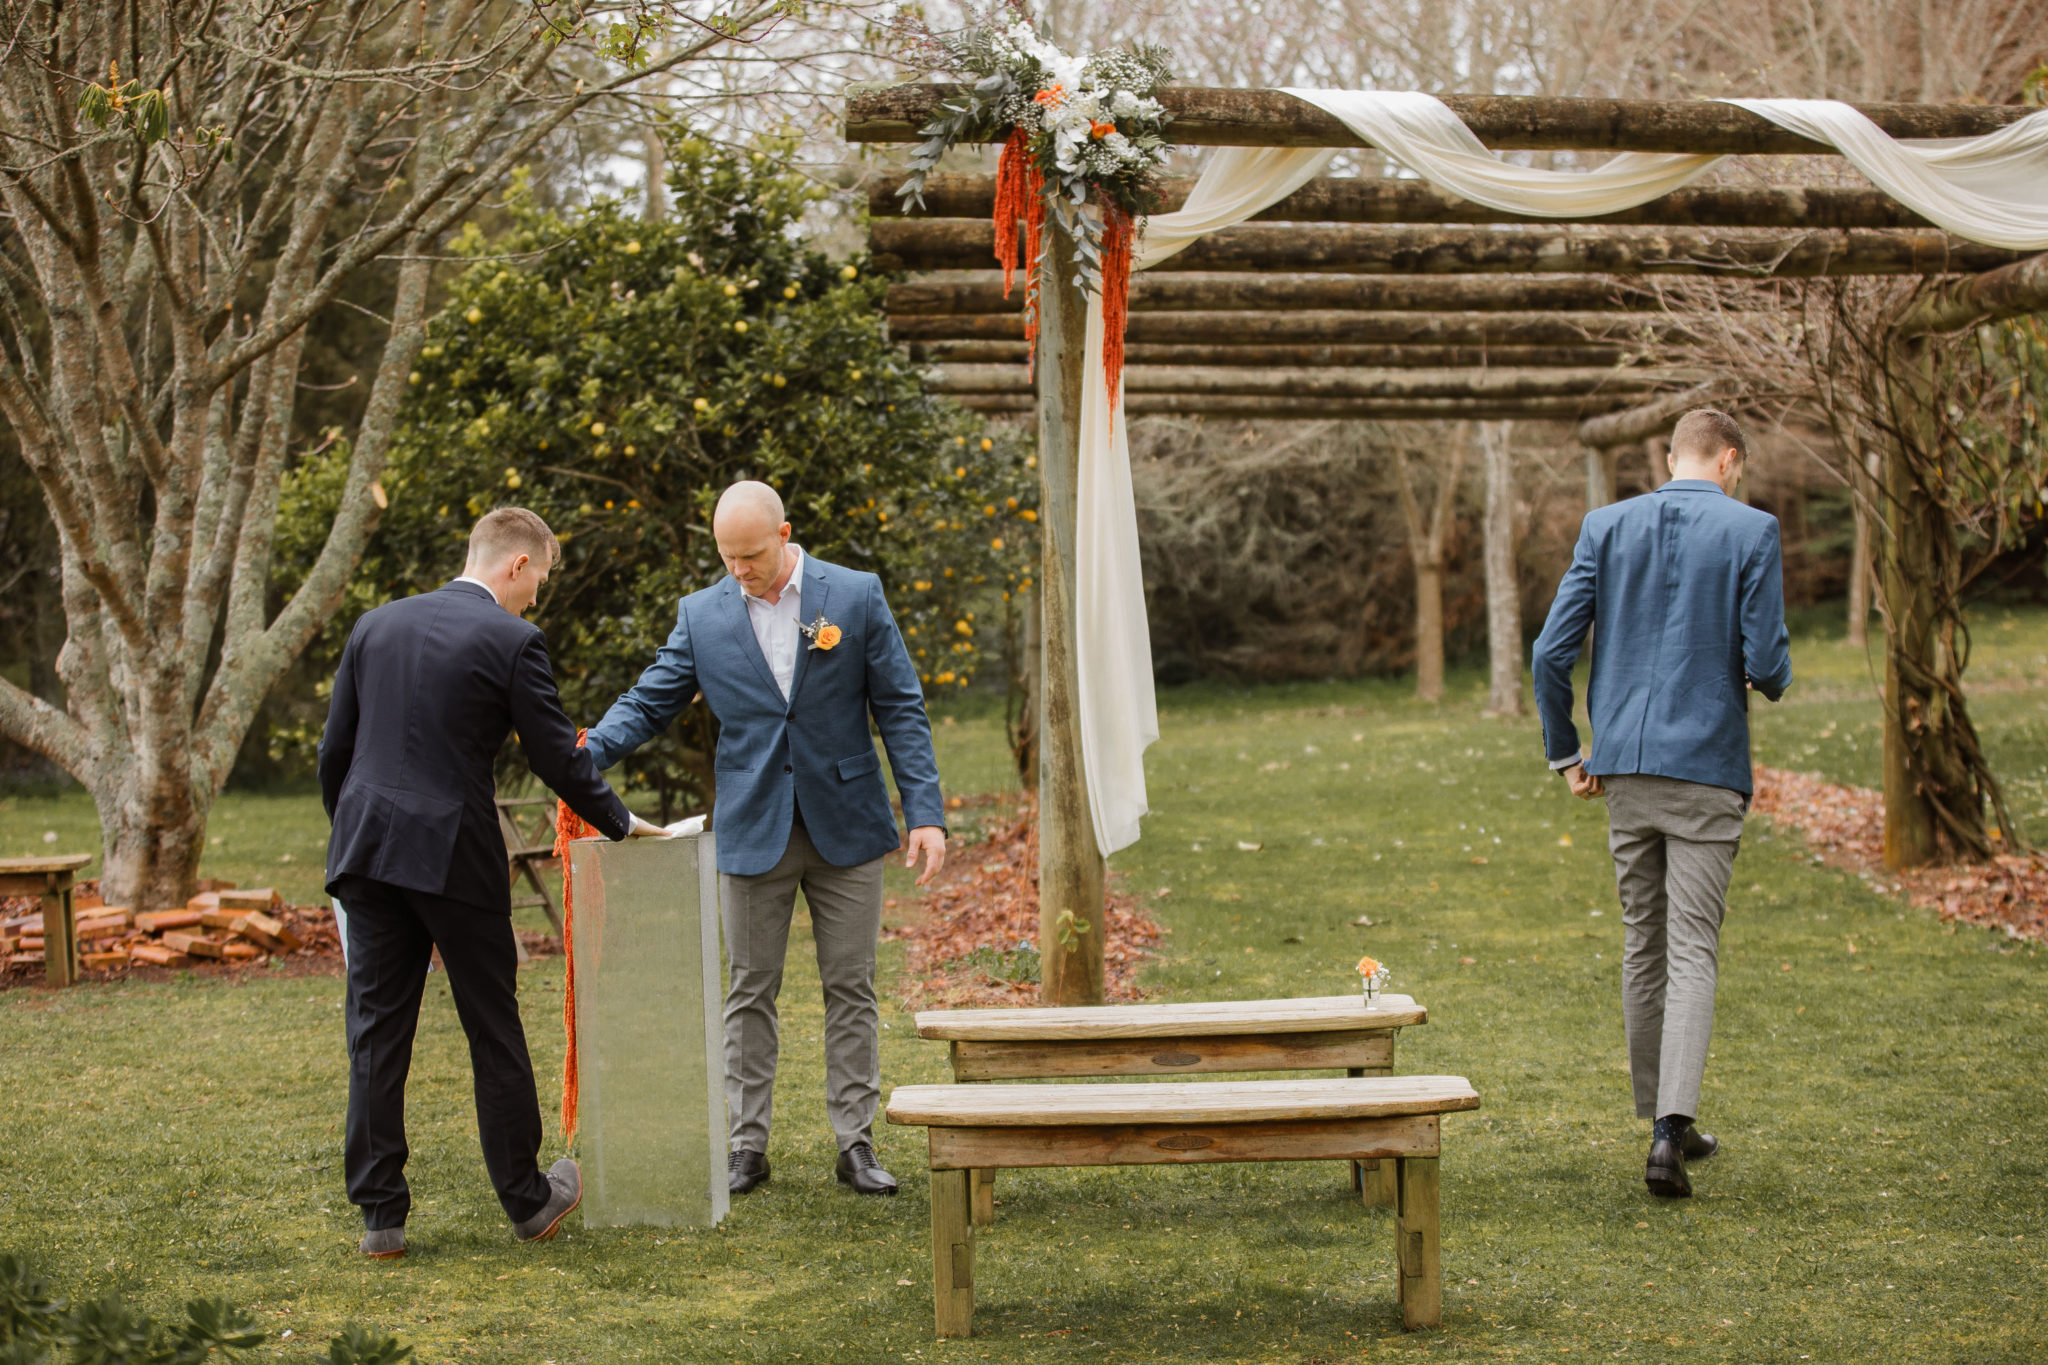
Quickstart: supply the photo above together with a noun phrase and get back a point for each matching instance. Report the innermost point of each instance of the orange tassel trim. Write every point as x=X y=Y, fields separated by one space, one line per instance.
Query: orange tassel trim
x=569 y=825
x=1118 y=234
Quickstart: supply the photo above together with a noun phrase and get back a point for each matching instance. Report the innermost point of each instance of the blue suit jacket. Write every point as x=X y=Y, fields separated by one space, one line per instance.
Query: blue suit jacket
x=813 y=750
x=1684 y=590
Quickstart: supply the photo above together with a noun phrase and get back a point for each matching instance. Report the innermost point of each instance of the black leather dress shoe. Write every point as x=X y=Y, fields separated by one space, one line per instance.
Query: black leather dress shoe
x=744 y=1170
x=858 y=1168
x=1698 y=1146
x=1665 y=1172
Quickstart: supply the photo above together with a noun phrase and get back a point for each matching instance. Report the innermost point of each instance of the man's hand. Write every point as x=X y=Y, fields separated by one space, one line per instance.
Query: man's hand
x=931 y=841
x=1584 y=785
x=643 y=829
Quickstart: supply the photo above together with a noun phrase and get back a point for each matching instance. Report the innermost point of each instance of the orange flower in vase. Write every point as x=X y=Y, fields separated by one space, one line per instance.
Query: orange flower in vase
x=1372 y=977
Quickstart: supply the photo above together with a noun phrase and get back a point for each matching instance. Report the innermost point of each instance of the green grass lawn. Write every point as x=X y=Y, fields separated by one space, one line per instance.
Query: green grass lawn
x=1880 y=1194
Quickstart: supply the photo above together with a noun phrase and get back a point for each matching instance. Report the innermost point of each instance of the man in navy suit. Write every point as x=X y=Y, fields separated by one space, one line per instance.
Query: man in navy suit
x=794 y=656
x=428 y=689
x=1684 y=592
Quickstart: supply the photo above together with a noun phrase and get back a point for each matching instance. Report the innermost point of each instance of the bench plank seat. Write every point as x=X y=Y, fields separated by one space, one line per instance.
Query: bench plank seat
x=983 y=1106
x=1394 y=1119
x=1193 y=1019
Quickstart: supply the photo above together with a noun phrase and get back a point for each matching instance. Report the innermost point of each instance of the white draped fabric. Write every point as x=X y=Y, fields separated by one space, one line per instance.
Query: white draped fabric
x=1992 y=189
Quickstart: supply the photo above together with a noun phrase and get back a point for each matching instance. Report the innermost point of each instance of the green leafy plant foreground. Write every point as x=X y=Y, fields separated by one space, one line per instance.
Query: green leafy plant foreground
x=38 y=1328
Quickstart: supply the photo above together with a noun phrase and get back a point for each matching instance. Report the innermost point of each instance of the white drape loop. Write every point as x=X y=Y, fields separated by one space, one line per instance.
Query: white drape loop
x=1992 y=189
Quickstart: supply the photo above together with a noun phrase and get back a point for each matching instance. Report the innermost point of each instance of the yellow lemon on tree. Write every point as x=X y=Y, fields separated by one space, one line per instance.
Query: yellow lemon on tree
x=632 y=248
x=475 y=315
x=731 y=290
x=848 y=273
x=597 y=428
x=702 y=405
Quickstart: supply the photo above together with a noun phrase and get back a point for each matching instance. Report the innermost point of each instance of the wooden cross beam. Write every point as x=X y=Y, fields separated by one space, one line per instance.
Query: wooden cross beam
x=1328 y=327
x=1207 y=116
x=1305 y=356
x=1254 y=407
x=1163 y=290
x=1376 y=199
x=914 y=244
x=1334 y=383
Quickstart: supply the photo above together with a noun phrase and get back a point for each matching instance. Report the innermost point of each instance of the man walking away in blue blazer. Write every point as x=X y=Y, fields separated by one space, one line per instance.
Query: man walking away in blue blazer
x=794 y=657
x=1683 y=590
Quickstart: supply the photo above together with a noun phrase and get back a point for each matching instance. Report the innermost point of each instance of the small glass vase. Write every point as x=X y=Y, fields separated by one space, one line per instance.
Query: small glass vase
x=1371 y=984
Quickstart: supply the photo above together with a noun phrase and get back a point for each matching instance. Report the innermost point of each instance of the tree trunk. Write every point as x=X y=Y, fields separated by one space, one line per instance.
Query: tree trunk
x=1071 y=875
x=1429 y=630
x=1911 y=525
x=1599 y=476
x=1657 y=456
x=151 y=840
x=1863 y=482
x=1426 y=547
x=1503 y=593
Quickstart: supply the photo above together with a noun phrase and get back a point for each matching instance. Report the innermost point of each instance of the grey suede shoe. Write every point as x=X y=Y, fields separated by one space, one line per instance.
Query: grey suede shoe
x=383 y=1244
x=565 y=1177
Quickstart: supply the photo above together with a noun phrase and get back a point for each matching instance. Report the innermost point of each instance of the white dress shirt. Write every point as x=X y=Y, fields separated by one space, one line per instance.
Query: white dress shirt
x=465 y=578
x=775 y=625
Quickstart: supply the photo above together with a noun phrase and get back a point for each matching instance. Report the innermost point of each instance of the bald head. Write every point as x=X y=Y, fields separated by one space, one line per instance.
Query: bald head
x=753 y=538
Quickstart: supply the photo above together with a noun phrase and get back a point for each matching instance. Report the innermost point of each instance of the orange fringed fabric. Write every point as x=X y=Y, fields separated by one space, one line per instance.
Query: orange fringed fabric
x=1117 y=237
x=568 y=826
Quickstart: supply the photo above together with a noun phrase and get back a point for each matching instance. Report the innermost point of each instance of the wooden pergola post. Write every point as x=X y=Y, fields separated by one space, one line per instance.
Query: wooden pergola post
x=1911 y=523
x=1070 y=866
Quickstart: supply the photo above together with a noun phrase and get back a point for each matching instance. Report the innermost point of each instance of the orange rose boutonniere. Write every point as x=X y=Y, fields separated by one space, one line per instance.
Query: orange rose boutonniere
x=823 y=634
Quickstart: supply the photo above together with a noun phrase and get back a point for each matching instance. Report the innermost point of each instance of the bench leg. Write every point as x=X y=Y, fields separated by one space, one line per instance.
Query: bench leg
x=982 y=1188
x=1416 y=1242
x=952 y=1254
x=1372 y=1181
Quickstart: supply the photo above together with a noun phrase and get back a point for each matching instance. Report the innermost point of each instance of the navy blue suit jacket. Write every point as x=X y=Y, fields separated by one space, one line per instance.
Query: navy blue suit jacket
x=428 y=689
x=812 y=751
x=1684 y=591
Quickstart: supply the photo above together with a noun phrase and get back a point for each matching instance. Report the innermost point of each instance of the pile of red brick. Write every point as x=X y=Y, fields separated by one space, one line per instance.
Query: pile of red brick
x=220 y=924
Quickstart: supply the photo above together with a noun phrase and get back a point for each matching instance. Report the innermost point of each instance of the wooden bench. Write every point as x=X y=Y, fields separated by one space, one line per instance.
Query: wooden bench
x=1376 y=1118
x=1312 y=1034
x=528 y=850
x=50 y=880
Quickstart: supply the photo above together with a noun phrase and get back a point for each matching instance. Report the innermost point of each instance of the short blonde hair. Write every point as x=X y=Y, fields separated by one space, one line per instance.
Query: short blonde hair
x=512 y=530
x=1704 y=433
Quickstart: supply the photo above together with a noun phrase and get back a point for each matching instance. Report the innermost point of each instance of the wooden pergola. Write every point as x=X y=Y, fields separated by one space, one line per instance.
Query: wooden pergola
x=1386 y=299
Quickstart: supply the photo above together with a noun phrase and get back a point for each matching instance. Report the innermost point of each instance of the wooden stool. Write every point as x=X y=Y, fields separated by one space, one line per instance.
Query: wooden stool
x=1311 y=1034
x=980 y=1127
x=525 y=852
x=50 y=878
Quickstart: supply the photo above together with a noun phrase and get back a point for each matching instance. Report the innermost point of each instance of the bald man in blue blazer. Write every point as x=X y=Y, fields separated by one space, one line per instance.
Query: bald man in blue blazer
x=795 y=657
